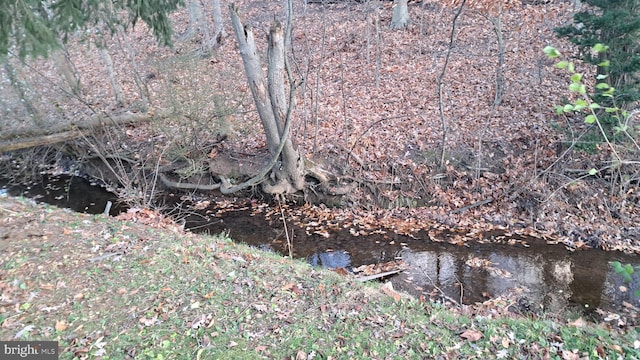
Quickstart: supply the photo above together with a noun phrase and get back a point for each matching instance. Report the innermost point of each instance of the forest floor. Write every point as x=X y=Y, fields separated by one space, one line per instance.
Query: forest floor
x=368 y=112
x=137 y=286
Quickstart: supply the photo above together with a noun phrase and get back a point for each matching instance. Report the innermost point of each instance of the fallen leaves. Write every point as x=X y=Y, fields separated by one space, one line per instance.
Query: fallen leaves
x=471 y=335
x=61 y=325
x=150 y=218
x=387 y=289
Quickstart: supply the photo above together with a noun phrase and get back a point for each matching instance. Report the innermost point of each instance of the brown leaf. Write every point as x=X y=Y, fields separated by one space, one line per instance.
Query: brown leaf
x=387 y=289
x=61 y=325
x=471 y=335
x=579 y=322
x=568 y=355
x=292 y=287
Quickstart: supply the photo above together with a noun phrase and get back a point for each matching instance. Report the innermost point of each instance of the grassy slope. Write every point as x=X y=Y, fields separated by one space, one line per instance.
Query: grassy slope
x=170 y=295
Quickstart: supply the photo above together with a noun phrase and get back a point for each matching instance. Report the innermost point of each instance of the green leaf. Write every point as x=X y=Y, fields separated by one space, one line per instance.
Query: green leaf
x=602 y=76
x=562 y=64
x=593 y=172
x=602 y=86
x=581 y=102
x=551 y=52
x=599 y=48
x=611 y=110
x=628 y=269
x=594 y=106
x=567 y=108
x=575 y=87
x=626 y=277
x=605 y=63
x=572 y=68
x=576 y=77
x=621 y=128
x=559 y=110
x=590 y=119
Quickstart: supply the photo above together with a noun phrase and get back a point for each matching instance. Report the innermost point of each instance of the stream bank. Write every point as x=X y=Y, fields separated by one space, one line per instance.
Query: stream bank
x=437 y=262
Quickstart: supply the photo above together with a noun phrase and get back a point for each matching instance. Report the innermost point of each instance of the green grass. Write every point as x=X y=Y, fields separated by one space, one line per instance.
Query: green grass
x=184 y=296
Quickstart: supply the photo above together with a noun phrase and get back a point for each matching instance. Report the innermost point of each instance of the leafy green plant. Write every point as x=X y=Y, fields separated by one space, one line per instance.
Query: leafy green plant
x=617 y=24
x=584 y=104
x=616 y=117
x=626 y=271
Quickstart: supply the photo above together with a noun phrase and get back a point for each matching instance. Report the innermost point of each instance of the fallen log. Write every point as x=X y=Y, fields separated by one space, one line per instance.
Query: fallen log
x=18 y=144
x=31 y=138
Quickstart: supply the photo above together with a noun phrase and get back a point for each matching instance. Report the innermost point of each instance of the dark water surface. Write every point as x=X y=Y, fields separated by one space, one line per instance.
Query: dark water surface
x=552 y=278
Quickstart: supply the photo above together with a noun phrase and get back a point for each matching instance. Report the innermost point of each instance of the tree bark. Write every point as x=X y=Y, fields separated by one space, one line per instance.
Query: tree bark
x=497 y=26
x=113 y=79
x=67 y=71
x=271 y=103
x=14 y=137
x=400 y=19
x=255 y=78
x=293 y=166
x=219 y=33
x=20 y=89
x=39 y=140
x=196 y=21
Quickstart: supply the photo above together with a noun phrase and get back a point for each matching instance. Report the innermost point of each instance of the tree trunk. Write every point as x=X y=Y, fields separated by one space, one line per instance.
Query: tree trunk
x=67 y=71
x=400 y=19
x=22 y=92
x=497 y=26
x=10 y=141
x=131 y=55
x=288 y=175
x=219 y=33
x=113 y=79
x=196 y=21
x=291 y=160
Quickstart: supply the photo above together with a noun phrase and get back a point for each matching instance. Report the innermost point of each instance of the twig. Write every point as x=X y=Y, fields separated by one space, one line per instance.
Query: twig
x=286 y=231
x=474 y=205
x=444 y=295
x=357 y=141
x=441 y=81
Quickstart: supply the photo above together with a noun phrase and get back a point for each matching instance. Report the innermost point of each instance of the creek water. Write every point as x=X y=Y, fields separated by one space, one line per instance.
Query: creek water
x=549 y=276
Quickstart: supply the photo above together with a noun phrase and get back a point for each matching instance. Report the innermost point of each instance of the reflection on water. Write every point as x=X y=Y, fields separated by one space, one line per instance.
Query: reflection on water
x=551 y=280
x=331 y=260
x=73 y=192
x=551 y=276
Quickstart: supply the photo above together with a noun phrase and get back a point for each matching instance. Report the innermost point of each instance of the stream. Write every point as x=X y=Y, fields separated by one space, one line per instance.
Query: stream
x=549 y=277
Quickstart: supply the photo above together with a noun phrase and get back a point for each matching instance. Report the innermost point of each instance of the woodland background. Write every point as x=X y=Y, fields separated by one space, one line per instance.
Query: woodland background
x=420 y=123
